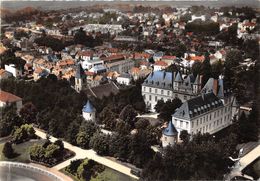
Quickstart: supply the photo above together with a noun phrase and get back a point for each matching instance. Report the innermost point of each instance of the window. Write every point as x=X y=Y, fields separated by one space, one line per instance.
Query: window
x=150 y=97
x=192 y=124
x=210 y=116
x=214 y=114
x=168 y=93
x=150 y=89
x=200 y=121
x=187 y=125
x=185 y=97
x=204 y=119
x=155 y=98
x=207 y=118
x=161 y=91
x=210 y=126
x=207 y=128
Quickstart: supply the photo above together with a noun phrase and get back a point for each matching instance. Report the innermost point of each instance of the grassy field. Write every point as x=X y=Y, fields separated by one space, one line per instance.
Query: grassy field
x=107 y=175
x=21 y=149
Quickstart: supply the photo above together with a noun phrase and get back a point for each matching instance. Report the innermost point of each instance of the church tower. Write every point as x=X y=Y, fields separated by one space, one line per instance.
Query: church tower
x=80 y=78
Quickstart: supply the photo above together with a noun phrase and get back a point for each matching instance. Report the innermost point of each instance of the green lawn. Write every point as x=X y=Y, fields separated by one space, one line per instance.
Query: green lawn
x=22 y=149
x=111 y=175
x=107 y=175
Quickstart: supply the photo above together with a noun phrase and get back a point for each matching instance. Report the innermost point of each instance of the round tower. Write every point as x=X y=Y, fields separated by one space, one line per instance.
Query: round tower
x=169 y=135
x=89 y=112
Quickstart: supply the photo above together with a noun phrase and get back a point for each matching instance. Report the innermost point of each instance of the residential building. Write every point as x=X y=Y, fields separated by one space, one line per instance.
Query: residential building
x=124 y=79
x=14 y=70
x=7 y=99
x=4 y=74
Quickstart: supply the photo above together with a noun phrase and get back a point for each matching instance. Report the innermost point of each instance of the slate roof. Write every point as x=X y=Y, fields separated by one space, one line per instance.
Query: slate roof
x=170 y=130
x=103 y=90
x=198 y=105
x=160 y=79
x=88 y=108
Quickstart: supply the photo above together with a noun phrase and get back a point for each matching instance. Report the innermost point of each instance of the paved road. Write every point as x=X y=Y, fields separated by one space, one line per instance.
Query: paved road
x=90 y=154
x=243 y=162
x=249 y=158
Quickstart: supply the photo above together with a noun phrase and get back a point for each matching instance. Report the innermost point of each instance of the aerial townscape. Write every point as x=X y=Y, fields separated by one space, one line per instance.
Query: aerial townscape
x=126 y=91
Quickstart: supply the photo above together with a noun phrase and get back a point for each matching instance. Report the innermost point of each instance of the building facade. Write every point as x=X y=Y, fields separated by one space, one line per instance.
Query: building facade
x=211 y=111
x=161 y=85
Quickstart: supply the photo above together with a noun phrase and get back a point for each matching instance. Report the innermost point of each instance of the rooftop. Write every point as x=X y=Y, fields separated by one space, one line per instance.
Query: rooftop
x=8 y=97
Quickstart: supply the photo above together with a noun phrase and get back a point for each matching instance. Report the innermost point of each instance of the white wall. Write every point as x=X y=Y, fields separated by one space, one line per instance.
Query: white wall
x=89 y=116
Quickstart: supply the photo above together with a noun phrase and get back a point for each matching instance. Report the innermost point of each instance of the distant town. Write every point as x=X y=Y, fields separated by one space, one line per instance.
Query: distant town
x=129 y=92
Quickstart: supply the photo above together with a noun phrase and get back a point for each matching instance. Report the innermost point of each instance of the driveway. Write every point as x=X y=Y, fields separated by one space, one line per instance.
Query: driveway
x=90 y=154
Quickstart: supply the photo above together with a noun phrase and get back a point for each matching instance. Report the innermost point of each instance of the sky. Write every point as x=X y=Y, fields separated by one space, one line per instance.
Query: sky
x=177 y=3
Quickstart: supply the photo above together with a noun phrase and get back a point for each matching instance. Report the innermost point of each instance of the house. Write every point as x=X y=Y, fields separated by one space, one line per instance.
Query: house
x=7 y=99
x=14 y=70
x=159 y=65
x=39 y=72
x=5 y=74
x=168 y=59
x=89 y=112
x=124 y=79
x=118 y=63
x=161 y=85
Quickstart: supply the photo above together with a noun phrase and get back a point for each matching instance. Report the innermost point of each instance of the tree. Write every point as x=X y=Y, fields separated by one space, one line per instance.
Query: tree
x=100 y=143
x=159 y=105
x=184 y=135
x=37 y=152
x=28 y=113
x=247 y=129
x=9 y=120
x=8 y=150
x=128 y=114
x=24 y=133
x=217 y=69
x=60 y=144
x=196 y=68
x=52 y=151
x=206 y=69
x=80 y=37
x=142 y=124
x=118 y=146
x=83 y=139
x=169 y=108
x=233 y=58
x=140 y=149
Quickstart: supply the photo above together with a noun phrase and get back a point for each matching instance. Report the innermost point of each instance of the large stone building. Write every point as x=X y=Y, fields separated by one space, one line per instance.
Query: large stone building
x=211 y=111
x=167 y=86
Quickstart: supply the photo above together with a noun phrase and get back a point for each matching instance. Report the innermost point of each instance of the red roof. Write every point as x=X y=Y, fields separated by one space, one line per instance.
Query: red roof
x=160 y=63
x=249 y=24
x=89 y=73
x=8 y=97
x=197 y=58
x=142 y=55
x=86 y=53
x=169 y=57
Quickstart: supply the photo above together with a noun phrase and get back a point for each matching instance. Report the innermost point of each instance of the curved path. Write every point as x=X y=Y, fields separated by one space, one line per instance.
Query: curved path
x=90 y=154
